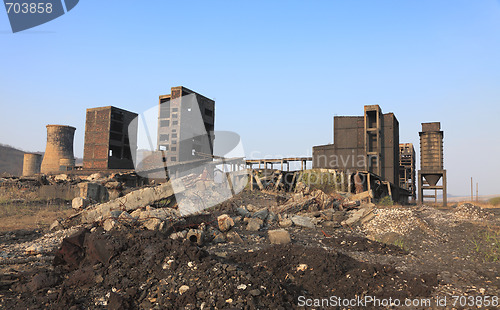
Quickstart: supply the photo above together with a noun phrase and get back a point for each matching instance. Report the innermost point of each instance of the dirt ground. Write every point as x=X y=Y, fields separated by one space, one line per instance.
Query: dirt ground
x=405 y=252
x=32 y=215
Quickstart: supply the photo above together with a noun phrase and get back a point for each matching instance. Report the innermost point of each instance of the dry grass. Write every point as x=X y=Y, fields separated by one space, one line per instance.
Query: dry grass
x=34 y=216
x=481 y=204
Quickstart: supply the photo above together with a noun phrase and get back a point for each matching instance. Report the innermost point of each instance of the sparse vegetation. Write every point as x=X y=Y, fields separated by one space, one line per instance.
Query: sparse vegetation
x=487 y=244
x=323 y=181
x=386 y=201
x=495 y=201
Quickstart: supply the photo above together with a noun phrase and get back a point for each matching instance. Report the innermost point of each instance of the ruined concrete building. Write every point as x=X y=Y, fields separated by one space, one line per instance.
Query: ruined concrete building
x=185 y=125
x=59 y=150
x=363 y=143
x=431 y=162
x=107 y=140
x=407 y=168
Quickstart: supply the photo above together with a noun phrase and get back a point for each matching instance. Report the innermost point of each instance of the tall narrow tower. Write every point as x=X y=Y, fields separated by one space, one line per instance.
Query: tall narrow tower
x=59 y=149
x=431 y=162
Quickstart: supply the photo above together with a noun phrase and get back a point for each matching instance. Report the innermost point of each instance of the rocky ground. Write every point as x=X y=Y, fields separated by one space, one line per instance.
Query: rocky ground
x=258 y=250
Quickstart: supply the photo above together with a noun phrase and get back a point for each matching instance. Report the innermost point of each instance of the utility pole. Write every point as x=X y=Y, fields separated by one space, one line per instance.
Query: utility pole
x=471 y=190
x=477 y=192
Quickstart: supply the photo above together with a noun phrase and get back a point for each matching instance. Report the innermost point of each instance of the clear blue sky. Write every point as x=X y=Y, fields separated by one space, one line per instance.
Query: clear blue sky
x=279 y=71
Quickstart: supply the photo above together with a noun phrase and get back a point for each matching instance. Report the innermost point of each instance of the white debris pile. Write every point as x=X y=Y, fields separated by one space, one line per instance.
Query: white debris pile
x=399 y=221
x=44 y=245
x=467 y=211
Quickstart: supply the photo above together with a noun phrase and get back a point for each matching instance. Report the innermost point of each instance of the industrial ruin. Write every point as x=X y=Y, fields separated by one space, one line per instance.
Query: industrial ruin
x=190 y=229
x=107 y=140
x=431 y=162
x=59 y=150
x=366 y=155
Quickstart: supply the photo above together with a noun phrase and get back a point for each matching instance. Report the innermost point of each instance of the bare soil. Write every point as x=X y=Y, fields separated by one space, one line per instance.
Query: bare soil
x=444 y=253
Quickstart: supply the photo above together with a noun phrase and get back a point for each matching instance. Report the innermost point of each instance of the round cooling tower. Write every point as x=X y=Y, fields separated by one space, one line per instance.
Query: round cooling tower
x=59 y=146
x=31 y=164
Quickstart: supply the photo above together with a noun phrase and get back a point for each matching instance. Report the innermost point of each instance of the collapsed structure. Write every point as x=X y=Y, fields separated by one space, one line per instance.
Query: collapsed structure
x=407 y=168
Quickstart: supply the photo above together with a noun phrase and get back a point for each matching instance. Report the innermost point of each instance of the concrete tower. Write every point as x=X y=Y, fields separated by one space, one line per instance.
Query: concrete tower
x=31 y=164
x=59 y=149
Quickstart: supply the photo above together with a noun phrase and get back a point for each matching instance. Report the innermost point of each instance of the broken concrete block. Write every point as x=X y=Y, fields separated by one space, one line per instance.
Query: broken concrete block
x=302 y=221
x=225 y=222
x=126 y=217
x=134 y=200
x=62 y=178
x=115 y=214
x=285 y=223
x=233 y=236
x=152 y=224
x=261 y=214
x=243 y=211
x=93 y=191
x=136 y=214
x=279 y=236
x=254 y=224
x=355 y=216
x=271 y=217
x=251 y=208
x=56 y=225
x=109 y=224
x=179 y=235
x=80 y=203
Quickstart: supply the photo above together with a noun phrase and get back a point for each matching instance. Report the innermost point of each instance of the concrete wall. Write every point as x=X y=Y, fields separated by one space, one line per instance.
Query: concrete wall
x=348 y=151
x=107 y=141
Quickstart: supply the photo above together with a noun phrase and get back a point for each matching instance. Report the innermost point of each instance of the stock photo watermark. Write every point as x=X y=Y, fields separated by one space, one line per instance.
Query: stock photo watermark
x=26 y=14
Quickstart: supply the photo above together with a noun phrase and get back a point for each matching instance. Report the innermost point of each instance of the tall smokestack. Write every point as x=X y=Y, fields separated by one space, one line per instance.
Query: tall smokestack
x=59 y=149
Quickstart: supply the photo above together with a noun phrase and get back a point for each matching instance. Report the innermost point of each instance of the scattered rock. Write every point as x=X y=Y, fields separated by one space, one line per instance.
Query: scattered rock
x=225 y=222
x=152 y=223
x=261 y=214
x=279 y=236
x=285 y=223
x=80 y=203
x=233 y=236
x=254 y=224
x=302 y=221
x=183 y=289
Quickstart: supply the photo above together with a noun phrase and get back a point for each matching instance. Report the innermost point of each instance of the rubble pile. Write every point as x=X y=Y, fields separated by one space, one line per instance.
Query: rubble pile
x=399 y=221
x=140 y=269
x=468 y=211
x=41 y=247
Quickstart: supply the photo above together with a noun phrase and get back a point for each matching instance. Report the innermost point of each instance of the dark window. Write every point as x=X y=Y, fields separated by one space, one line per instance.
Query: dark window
x=175 y=109
x=164 y=137
x=209 y=113
x=115 y=126
x=117 y=116
x=173 y=149
x=174 y=123
x=115 y=136
x=173 y=158
x=174 y=115
x=174 y=135
x=165 y=123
